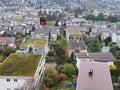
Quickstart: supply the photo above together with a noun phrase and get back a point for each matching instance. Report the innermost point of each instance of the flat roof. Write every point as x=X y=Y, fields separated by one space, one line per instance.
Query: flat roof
x=99 y=80
x=36 y=42
x=20 y=65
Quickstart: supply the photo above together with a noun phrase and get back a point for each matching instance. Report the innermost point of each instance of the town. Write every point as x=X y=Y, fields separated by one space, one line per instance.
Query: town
x=59 y=45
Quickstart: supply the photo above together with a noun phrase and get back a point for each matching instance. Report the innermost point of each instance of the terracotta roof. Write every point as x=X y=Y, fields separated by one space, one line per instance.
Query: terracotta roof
x=7 y=39
x=100 y=79
x=99 y=56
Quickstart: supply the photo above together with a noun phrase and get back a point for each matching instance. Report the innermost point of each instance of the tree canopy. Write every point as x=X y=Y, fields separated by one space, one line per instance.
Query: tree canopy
x=69 y=69
x=93 y=44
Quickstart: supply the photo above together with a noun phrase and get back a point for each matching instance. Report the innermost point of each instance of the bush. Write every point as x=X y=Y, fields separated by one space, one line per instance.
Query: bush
x=51 y=53
x=60 y=77
x=115 y=74
x=50 y=59
x=69 y=69
x=112 y=67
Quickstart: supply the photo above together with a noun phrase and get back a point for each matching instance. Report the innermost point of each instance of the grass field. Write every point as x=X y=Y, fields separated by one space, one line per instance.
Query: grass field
x=90 y=4
x=51 y=23
x=36 y=42
x=20 y=65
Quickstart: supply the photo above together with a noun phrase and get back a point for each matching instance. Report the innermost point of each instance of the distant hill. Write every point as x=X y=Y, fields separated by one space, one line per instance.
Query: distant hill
x=91 y=4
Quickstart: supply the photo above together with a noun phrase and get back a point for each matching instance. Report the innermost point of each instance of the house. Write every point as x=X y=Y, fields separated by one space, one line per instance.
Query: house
x=118 y=39
x=103 y=31
x=23 y=72
x=76 y=44
x=10 y=41
x=44 y=33
x=34 y=46
x=94 y=76
x=105 y=49
x=71 y=31
x=95 y=57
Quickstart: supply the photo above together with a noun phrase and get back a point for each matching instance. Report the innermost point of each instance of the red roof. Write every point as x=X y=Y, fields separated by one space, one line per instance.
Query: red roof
x=100 y=79
x=7 y=40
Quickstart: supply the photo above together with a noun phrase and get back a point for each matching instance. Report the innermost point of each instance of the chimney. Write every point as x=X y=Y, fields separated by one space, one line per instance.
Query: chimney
x=78 y=41
x=90 y=73
x=87 y=54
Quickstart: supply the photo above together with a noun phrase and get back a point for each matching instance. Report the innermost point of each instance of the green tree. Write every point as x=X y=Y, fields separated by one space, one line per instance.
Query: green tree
x=56 y=23
x=93 y=44
x=69 y=69
x=117 y=64
x=60 y=55
x=50 y=74
x=6 y=51
x=65 y=45
x=107 y=41
x=100 y=17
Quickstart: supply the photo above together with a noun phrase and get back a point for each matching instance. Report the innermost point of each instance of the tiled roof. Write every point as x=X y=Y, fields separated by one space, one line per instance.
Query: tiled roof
x=99 y=80
x=99 y=56
x=7 y=39
x=80 y=44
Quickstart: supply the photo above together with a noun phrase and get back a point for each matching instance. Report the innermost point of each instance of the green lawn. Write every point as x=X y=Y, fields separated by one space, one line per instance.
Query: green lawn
x=51 y=23
x=36 y=42
x=20 y=65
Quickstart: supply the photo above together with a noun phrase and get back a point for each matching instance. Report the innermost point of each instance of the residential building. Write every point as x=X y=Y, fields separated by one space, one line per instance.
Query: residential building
x=44 y=33
x=10 y=41
x=77 y=44
x=118 y=39
x=34 y=46
x=105 y=49
x=94 y=76
x=19 y=74
x=95 y=57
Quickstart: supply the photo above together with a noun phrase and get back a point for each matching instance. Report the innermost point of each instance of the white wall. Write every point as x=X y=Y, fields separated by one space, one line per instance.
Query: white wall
x=4 y=85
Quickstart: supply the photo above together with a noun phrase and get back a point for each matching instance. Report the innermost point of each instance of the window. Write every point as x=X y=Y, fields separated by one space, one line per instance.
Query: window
x=8 y=80
x=15 y=80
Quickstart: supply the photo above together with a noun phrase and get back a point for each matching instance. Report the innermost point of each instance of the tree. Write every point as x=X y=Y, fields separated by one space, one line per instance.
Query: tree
x=117 y=64
x=7 y=51
x=65 y=45
x=78 y=37
x=60 y=77
x=50 y=74
x=56 y=23
x=60 y=55
x=100 y=17
x=93 y=44
x=69 y=69
x=107 y=41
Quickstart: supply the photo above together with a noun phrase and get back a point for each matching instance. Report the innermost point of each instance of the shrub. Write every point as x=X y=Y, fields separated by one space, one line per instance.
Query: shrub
x=50 y=59
x=60 y=77
x=112 y=67
x=51 y=53
x=69 y=69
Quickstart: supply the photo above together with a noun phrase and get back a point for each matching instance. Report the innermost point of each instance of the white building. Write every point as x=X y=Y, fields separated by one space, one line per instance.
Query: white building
x=95 y=57
x=19 y=74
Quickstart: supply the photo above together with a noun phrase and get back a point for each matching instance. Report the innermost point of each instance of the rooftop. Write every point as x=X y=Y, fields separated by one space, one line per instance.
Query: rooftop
x=94 y=76
x=74 y=44
x=36 y=42
x=97 y=56
x=20 y=65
